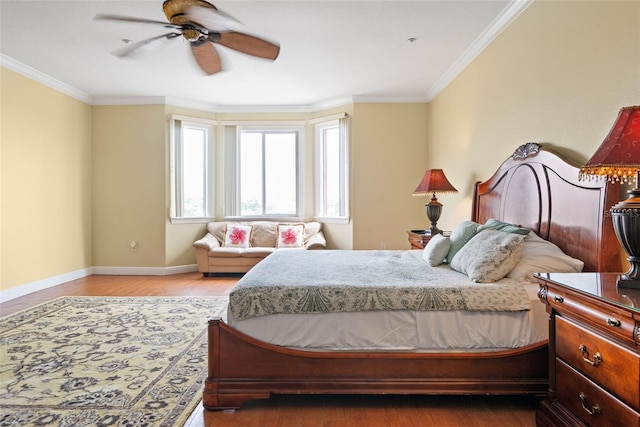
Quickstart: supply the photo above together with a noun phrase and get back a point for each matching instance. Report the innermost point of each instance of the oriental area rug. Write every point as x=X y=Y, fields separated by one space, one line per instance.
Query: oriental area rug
x=105 y=361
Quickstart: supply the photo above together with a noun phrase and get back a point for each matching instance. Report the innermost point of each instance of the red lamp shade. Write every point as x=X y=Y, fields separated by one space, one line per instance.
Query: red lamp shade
x=434 y=181
x=618 y=158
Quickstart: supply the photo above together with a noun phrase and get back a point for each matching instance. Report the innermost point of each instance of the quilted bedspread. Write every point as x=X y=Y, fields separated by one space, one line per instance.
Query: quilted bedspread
x=298 y=281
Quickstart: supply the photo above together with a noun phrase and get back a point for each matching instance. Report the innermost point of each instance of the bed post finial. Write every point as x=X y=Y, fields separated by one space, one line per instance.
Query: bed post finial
x=526 y=150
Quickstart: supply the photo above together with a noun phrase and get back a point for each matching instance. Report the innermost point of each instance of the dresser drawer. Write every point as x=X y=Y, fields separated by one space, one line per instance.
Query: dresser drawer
x=593 y=405
x=608 y=319
x=606 y=363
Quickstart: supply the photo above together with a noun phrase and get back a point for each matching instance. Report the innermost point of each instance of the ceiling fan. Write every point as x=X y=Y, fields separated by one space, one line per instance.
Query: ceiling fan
x=203 y=26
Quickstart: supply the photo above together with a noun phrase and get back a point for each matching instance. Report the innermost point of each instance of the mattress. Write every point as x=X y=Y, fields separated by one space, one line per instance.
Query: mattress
x=403 y=330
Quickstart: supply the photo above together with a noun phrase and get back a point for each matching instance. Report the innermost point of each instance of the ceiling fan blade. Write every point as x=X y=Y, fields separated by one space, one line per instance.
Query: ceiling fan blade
x=246 y=43
x=128 y=49
x=213 y=19
x=206 y=56
x=108 y=17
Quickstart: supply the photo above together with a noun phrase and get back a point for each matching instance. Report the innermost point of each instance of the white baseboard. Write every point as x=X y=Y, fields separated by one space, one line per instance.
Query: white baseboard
x=50 y=282
x=145 y=271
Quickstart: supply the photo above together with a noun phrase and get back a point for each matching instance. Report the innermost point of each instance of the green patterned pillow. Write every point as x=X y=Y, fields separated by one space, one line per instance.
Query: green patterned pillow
x=460 y=236
x=503 y=226
x=489 y=255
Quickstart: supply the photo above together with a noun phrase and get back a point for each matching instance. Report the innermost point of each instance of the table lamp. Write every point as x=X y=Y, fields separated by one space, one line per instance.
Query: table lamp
x=434 y=181
x=618 y=159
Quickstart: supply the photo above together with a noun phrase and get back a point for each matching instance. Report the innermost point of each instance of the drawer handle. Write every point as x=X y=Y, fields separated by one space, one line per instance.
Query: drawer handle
x=558 y=299
x=613 y=322
x=595 y=409
x=597 y=358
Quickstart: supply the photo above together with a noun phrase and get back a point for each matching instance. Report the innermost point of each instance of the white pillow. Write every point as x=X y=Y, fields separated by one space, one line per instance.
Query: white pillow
x=237 y=236
x=436 y=250
x=290 y=236
x=489 y=255
x=541 y=256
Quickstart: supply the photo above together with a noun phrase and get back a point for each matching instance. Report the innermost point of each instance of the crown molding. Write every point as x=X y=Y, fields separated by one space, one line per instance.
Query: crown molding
x=45 y=79
x=129 y=100
x=186 y=103
x=389 y=99
x=502 y=21
x=264 y=109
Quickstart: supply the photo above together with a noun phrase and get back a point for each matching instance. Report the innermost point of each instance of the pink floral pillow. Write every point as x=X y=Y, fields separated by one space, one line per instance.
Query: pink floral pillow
x=290 y=236
x=237 y=236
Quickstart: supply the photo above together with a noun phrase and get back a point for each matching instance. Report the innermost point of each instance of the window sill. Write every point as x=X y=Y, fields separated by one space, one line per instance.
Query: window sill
x=333 y=220
x=264 y=218
x=185 y=220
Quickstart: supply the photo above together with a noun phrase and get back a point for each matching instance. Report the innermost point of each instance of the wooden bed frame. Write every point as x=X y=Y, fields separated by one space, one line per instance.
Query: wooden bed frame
x=534 y=188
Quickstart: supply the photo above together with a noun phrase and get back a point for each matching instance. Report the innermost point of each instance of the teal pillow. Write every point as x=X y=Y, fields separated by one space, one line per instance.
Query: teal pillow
x=494 y=224
x=460 y=236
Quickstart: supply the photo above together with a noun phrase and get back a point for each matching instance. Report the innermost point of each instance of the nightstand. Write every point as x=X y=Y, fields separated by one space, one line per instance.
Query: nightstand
x=594 y=358
x=419 y=238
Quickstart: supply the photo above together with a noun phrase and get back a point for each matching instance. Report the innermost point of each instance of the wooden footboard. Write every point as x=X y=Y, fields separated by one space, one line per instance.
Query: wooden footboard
x=242 y=368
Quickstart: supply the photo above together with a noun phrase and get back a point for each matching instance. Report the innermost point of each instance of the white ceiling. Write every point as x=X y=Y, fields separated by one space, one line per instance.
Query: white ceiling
x=331 y=51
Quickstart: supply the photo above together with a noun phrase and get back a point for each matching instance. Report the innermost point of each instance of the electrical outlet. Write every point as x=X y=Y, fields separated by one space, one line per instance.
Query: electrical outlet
x=133 y=245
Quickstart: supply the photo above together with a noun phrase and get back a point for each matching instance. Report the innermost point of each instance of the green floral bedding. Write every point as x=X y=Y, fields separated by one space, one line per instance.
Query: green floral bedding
x=294 y=281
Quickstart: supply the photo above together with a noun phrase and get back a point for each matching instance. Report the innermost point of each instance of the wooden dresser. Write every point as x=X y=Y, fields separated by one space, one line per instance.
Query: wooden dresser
x=594 y=359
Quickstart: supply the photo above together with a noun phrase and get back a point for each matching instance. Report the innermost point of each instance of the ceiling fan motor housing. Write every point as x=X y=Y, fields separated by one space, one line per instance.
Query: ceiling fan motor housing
x=175 y=10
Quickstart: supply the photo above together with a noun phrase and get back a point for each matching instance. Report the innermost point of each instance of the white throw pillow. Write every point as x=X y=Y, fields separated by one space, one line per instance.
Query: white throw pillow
x=541 y=256
x=489 y=255
x=237 y=236
x=436 y=250
x=290 y=236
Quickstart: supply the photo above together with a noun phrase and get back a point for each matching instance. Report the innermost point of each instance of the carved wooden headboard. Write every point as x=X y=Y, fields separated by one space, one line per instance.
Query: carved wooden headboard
x=538 y=189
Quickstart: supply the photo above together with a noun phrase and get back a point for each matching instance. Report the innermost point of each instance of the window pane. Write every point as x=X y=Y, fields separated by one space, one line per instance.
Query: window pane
x=191 y=157
x=280 y=173
x=331 y=140
x=268 y=172
x=251 y=173
x=194 y=172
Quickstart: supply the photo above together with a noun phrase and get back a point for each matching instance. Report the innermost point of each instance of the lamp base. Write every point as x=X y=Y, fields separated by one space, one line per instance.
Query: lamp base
x=626 y=223
x=435 y=230
x=626 y=282
x=433 y=210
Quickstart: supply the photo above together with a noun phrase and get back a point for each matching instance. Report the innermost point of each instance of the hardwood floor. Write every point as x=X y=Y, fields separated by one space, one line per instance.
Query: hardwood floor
x=294 y=410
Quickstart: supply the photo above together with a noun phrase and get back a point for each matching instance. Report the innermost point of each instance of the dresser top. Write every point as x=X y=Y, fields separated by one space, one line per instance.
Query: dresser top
x=601 y=286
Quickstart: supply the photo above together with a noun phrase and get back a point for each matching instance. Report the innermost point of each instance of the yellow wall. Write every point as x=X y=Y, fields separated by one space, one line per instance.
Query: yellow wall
x=388 y=159
x=46 y=182
x=558 y=74
x=129 y=179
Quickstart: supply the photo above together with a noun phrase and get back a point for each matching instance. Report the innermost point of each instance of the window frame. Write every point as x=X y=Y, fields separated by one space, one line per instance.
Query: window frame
x=232 y=135
x=177 y=126
x=343 y=151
